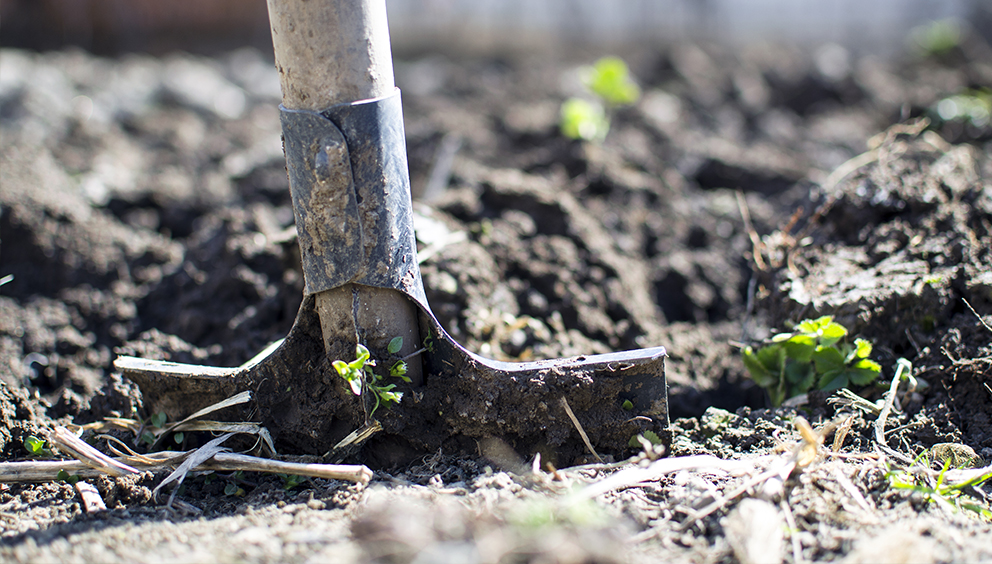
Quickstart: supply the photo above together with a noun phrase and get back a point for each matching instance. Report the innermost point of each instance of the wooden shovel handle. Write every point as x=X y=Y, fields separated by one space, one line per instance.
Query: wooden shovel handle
x=331 y=51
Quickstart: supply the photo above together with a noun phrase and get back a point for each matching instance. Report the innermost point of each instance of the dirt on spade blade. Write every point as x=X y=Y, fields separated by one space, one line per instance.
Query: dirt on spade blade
x=145 y=211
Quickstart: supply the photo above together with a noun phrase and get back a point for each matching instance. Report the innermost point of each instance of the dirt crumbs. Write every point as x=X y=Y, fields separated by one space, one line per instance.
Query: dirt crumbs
x=746 y=190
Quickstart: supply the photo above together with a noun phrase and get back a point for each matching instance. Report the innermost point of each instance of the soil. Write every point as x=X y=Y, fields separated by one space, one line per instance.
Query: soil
x=145 y=211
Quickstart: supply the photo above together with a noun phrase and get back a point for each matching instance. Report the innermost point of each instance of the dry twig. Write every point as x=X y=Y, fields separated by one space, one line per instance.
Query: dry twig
x=980 y=319
x=578 y=427
x=80 y=450
x=48 y=470
x=901 y=366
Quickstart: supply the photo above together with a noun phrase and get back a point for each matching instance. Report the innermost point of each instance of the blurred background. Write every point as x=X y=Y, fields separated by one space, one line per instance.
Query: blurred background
x=479 y=26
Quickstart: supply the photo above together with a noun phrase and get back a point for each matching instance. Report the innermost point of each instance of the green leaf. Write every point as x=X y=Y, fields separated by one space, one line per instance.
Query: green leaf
x=798 y=372
x=814 y=325
x=356 y=386
x=34 y=445
x=761 y=375
x=806 y=384
x=828 y=359
x=610 y=79
x=864 y=372
x=159 y=419
x=831 y=333
x=290 y=481
x=833 y=380
x=343 y=369
x=361 y=354
x=627 y=405
x=582 y=119
x=395 y=345
x=862 y=348
x=398 y=370
x=178 y=437
x=65 y=477
x=800 y=347
x=390 y=397
x=824 y=328
x=773 y=358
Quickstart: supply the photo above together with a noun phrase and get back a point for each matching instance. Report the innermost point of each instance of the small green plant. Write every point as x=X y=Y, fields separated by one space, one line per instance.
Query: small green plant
x=583 y=119
x=950 y=495
x=610 y=79
x=36 y=446
x=158 y=421
x=611 y=86
x=233 y=488
x=64 y=476
x=814 y=355
x=290 y=481
x=429 y=340
x=360 y=375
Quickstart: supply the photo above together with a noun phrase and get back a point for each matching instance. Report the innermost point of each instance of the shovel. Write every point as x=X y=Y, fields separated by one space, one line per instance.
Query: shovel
x=346 y=159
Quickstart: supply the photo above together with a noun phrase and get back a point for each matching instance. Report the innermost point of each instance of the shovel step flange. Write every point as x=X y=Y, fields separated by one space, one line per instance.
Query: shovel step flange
x=308 y=408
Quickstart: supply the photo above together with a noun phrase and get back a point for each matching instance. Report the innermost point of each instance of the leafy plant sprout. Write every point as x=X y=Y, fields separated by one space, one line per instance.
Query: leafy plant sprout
x=360 y=375
x=610 y=86
x=938 y=489
x=814 y=355
x=290 y=481
x=36 y=446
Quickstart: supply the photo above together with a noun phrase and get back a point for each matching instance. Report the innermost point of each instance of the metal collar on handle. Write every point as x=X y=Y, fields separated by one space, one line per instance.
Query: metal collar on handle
x=351 y=196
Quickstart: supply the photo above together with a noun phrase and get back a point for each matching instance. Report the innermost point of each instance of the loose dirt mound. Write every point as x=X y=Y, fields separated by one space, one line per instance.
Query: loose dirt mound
x=144 y=210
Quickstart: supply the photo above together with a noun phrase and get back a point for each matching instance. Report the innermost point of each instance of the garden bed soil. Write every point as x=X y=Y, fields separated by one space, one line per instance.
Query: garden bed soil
x=145 y=211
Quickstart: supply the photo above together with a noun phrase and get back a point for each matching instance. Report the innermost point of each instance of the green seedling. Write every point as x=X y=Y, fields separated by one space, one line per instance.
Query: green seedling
x=360 y=375
x=813 y=356
x=233 y=488
x=158 y=419
x=429 y=339
x=290 y=481
x=610 y=86
x=395 y=345
x=610 y=80
x=951 y=496
x=584 y=119
x=37 y=447
x=64 y=476
x=397 y=370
